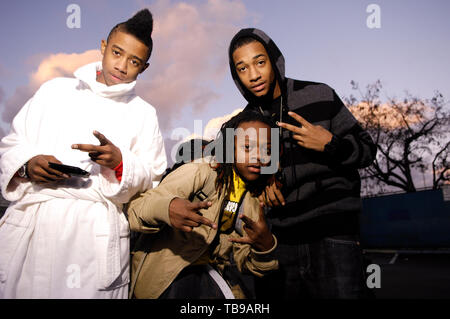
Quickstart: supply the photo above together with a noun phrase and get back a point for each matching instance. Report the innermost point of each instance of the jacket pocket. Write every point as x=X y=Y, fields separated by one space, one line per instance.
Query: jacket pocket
x=137 y=262
x=346 y=240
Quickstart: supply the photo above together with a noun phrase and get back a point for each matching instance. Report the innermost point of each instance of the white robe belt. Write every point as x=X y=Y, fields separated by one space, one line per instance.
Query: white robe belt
x=111 y=267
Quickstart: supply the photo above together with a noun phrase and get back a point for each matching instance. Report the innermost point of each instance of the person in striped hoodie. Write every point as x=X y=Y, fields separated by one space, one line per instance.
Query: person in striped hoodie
x=314 y=204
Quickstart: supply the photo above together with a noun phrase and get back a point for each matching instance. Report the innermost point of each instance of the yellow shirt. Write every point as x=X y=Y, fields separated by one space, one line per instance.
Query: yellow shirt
x=232 y=205
x=229 y=215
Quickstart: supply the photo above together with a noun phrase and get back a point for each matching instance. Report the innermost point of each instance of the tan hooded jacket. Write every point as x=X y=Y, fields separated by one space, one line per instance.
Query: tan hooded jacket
x=160 y=256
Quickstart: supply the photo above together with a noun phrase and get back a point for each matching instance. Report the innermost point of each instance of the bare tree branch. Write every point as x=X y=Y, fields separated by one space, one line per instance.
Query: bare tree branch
x=411 y=136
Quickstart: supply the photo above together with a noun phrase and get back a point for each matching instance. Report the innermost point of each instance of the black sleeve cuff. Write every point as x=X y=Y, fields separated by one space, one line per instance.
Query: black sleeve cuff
x=338 y=148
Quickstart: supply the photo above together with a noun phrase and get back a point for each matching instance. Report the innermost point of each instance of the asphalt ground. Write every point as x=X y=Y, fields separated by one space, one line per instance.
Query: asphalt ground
x=423 y=275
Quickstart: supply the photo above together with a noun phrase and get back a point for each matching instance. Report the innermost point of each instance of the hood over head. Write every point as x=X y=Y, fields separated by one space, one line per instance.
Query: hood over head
x=276 y=59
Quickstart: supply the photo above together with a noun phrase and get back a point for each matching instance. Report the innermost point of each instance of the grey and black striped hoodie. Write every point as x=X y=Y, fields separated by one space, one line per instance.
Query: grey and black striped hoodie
x=321 y=189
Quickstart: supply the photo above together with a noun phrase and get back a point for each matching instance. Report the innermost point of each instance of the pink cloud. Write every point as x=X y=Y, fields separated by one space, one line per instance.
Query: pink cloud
x=55 y=65
x=62 y=65
x=189 y=59
x=190 y=55
x=387 y=115
x=212 y=127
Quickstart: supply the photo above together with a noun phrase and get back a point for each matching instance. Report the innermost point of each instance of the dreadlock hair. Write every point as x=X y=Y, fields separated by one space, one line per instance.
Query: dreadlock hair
x=224 y=180
x=241 y=42
x=139 y=26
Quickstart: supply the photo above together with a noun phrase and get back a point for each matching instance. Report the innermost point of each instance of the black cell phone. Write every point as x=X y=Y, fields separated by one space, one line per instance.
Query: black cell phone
x=70 y=170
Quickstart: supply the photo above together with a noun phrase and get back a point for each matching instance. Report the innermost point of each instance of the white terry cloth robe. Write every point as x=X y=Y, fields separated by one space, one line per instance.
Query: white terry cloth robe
x=70 y=239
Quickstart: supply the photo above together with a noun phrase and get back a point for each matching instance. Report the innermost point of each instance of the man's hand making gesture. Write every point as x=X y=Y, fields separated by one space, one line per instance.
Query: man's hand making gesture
x=310 y=136
x=185 y=215
x=105 y=154
x=258 y=234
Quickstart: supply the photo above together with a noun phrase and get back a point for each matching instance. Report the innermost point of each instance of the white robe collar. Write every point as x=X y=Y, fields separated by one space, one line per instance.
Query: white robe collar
x=88 y=75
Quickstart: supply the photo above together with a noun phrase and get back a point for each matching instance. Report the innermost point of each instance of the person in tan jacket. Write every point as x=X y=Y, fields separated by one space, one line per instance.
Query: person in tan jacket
x=204 y=217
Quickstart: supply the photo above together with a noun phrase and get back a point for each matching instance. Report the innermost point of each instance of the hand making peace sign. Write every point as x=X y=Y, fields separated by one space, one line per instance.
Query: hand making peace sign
x=105 y=154
x=310 y=136
x=258 y=234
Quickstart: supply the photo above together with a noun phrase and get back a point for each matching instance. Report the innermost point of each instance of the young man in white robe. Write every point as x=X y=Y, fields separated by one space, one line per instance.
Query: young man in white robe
x=67 y=236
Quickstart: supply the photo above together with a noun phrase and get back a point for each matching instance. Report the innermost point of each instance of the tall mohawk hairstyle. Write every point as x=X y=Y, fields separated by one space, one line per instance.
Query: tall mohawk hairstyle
x=140 y=26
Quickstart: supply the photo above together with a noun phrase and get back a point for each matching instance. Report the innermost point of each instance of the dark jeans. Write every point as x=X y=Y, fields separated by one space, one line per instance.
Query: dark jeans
x=193 y=282
x=331 y=267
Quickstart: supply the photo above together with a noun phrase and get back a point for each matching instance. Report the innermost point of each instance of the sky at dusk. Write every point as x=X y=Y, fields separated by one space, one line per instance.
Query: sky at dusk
x=189 y=78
